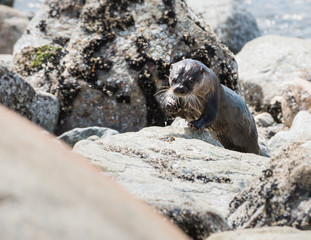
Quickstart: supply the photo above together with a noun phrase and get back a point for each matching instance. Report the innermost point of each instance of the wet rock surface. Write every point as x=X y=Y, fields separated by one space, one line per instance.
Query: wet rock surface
x=105 y=60
x=12 y=26
x=232 y=23
x=187 y=179
x=15 y=93
x=281 y=196
x=266 y=63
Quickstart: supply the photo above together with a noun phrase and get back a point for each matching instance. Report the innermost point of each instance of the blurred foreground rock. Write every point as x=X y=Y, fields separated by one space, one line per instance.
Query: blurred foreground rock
x=232 y=23
x=266 y=63
x=12 y=25
x=40 y=107
x=47 y=192
x=105 y=60
x=281 y=196
x=267 y=233
x=187 y=179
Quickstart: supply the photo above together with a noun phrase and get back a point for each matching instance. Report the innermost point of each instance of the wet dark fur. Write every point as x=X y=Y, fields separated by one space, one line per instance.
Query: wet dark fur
x=196 y=95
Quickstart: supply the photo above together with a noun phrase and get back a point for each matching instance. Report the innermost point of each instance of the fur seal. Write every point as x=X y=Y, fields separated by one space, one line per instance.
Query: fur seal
x=196 y=95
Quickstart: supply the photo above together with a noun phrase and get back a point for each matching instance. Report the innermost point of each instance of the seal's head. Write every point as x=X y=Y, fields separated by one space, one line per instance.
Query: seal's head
x=186 y=77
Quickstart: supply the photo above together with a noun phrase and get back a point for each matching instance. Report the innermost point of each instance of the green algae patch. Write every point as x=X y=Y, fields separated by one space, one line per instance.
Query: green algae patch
x=34 y=59
x=44 y=53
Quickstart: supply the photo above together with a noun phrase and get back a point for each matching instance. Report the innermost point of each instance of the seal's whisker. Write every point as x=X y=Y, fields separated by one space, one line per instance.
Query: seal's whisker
x=160 y=91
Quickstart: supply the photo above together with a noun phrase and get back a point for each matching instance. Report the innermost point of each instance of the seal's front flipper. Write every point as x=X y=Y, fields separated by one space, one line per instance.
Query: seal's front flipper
x=197 y=124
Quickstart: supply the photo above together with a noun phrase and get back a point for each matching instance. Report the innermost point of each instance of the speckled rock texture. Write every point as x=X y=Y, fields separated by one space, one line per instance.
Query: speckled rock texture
x=40 y=107
x=233 y=24
x=296 y=97
x=266 y=233
x=47 y=192
x=105 y=60
x=266 y=63
x=281 y=196
x=12 y=26
x=171 y=168
x=93 y=133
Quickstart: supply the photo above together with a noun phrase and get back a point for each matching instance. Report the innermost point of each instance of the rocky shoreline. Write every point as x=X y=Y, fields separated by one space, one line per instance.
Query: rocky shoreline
x=88 y=71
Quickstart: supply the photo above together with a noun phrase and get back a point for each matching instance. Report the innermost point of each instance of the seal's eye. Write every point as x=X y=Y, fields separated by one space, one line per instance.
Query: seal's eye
x=190 y=81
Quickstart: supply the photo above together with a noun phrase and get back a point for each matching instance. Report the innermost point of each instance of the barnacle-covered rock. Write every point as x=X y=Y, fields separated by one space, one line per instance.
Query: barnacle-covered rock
x=114 y=56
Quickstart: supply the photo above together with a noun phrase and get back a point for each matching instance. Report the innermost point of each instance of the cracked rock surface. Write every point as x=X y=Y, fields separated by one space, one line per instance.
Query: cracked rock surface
x=187 y=179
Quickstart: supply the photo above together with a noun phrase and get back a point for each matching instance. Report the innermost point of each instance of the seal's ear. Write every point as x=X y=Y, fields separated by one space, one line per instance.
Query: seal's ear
x=202 y=70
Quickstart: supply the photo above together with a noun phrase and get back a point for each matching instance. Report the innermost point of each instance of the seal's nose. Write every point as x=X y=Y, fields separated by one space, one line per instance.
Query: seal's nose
x=180 y=90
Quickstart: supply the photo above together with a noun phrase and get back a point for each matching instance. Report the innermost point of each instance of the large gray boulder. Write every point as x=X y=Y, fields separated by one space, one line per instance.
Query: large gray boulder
x=233 y=24
x=281 y=196
x=12 y=26
x=171 y=168
x=267 y=62
x=41 y=108
x=105 y=60
x=47 y=192
x=266 y=233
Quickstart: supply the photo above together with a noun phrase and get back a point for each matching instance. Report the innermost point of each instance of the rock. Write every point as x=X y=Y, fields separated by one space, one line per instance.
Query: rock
x=190 y=134
x=47 y=192
x=12 y=26
x=296 y=97
x=7 y=2
x=264 y=119
x=233 y=24
x=187 y=179
x=106 y=60
x=281 y=196
x=40 y=107
x=300 y=131
x=6 y=60
x=77 y=134
x=267 y=62
x=266 y=233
